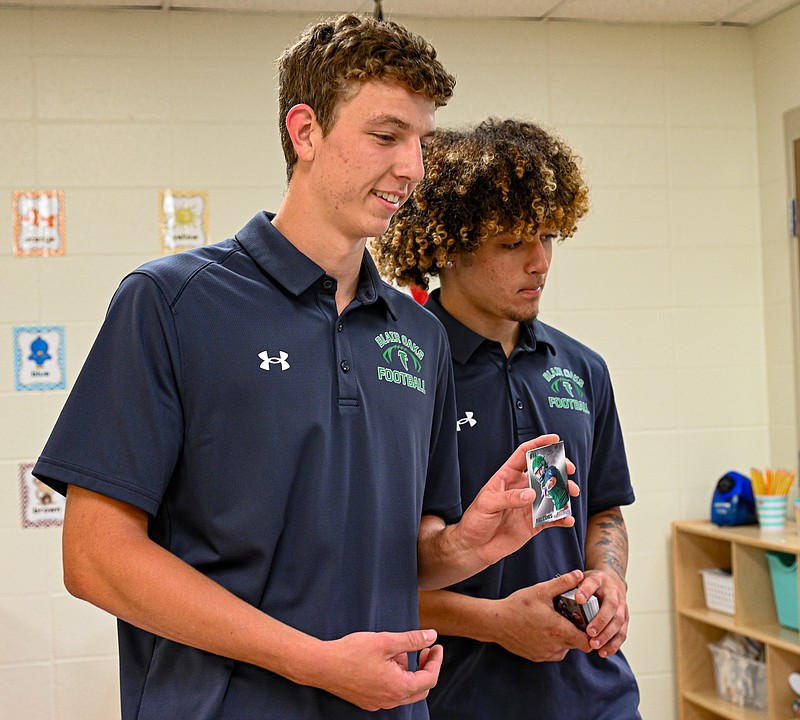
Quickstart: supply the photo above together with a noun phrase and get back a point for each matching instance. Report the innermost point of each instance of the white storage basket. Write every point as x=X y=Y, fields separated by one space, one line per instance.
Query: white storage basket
x=718 y=588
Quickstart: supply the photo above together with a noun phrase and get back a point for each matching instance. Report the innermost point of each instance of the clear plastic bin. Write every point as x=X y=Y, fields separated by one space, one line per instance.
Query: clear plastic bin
x=739 y=679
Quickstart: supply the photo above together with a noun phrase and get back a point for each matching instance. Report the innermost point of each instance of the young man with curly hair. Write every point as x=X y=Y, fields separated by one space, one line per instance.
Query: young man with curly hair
x=260 y=450
x=485 y=219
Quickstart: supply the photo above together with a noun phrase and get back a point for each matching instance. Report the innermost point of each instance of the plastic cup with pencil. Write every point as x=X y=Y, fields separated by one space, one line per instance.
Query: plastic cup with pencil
x=771 y=490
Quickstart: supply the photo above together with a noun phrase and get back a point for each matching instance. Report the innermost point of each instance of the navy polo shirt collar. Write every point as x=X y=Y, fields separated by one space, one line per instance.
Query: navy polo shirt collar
x=464 y=341
x=296 y=272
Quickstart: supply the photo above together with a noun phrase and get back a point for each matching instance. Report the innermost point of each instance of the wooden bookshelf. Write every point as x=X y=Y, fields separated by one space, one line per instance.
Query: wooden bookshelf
x=701 y=544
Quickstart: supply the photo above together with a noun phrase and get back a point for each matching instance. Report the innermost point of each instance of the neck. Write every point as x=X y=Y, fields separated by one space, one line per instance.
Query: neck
x=506 y=332
x=339 y=256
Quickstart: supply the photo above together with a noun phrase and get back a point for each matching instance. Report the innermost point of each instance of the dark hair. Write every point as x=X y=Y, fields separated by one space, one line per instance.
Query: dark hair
x=499 y=176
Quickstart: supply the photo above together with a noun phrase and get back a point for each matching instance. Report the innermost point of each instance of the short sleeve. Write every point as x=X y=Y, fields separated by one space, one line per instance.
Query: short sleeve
x=120 y=431
x=443 y=484
x=609 y=477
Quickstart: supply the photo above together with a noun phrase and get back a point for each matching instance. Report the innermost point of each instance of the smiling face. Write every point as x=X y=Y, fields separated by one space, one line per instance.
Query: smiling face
x=500 y=284
x=371 y=160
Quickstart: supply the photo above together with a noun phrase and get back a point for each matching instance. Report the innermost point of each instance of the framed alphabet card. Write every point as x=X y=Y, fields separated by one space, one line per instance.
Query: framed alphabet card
x=184 y=220
x=39 y=358
x=38 y=219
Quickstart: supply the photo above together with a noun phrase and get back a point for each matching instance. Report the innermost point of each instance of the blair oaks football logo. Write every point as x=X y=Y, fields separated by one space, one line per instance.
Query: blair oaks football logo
x=568 y=389
x=403 y=358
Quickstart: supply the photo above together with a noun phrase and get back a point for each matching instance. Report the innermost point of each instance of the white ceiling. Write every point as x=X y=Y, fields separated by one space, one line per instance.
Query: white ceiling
x=707 y=12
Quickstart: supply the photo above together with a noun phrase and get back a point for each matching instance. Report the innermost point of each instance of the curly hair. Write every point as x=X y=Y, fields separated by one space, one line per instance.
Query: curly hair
x=499 y=176
x=321 y=68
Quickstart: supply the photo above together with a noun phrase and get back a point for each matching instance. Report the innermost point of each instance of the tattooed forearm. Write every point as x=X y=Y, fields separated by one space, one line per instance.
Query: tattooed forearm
x=607 y=542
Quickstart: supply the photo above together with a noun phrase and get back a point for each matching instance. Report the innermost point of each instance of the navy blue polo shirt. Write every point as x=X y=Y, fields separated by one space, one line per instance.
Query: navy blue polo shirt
x=284 y=450
x=550 y=384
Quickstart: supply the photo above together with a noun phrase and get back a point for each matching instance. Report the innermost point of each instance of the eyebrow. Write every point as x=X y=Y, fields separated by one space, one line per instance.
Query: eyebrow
x=387 y=119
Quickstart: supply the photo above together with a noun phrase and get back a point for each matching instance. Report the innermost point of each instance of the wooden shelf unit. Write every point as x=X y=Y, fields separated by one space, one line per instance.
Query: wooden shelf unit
x=699 y=544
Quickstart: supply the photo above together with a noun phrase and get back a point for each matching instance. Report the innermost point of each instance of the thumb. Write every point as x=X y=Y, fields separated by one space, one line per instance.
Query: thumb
x=411 y=641
x=562 y=583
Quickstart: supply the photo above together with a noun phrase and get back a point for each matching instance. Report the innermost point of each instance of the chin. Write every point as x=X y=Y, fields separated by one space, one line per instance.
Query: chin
x=376 y=228
x=522 y=316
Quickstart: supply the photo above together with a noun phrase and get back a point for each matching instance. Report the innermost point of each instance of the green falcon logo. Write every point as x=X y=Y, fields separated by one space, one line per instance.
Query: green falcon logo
x=402 y=352
x=568 y=388
x=561 y=385
x=402 y=355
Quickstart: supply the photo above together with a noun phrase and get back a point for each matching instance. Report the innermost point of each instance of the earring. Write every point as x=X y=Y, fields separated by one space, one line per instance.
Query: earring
x=449 y=264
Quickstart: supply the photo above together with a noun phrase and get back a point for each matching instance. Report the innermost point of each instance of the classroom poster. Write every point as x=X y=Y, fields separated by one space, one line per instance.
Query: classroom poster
x=38 y=219
x=183 y=220
x=39 y=358
x=40 y=505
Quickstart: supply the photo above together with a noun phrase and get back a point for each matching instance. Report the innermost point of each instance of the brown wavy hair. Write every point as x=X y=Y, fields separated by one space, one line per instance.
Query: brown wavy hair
x=324 y=64
x=499 y=176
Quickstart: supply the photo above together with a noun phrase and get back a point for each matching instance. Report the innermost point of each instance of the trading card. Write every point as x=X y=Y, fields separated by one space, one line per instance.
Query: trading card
x=547 y=475
x=579 y=615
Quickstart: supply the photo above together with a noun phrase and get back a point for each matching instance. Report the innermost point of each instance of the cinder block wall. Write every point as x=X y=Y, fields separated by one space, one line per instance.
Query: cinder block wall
x=678 y=276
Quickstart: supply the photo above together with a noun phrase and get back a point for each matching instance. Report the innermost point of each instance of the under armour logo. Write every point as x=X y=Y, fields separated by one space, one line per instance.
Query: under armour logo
x=281 y=360
x=469 y=419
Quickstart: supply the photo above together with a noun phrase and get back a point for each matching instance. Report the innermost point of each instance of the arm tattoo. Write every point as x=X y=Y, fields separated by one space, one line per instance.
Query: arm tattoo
x=610 y=539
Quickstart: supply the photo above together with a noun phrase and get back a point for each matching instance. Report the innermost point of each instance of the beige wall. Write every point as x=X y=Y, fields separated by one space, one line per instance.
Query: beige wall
x=679 y=277
x=776 y=50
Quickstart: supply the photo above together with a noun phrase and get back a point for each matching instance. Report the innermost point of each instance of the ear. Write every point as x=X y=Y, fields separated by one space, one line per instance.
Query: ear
x=301 y=122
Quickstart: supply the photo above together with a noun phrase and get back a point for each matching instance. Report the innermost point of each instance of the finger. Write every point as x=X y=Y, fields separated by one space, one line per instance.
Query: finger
x=433 y=655
x=415 y=698
x=426 y=676
x=499 y=500
x=610 y=639
x=562 y=583
x=590 y=585
x=565 y=522
x=570 y=467
x=571 y=635
x=606 y=625
x=612 y=646
x=574 y=488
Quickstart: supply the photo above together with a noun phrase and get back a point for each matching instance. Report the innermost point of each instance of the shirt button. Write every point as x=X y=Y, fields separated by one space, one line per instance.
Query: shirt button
x=327 y=284
x=519 y=405
x=340 y=327
x=345 y=366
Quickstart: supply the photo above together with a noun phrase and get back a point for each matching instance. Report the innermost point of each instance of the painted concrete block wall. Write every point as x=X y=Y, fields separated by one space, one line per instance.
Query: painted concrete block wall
x=776 y=48
x=664 y=278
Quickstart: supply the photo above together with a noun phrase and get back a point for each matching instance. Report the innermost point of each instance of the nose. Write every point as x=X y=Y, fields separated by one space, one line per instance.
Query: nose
x=537 y=259
x=411 y=165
